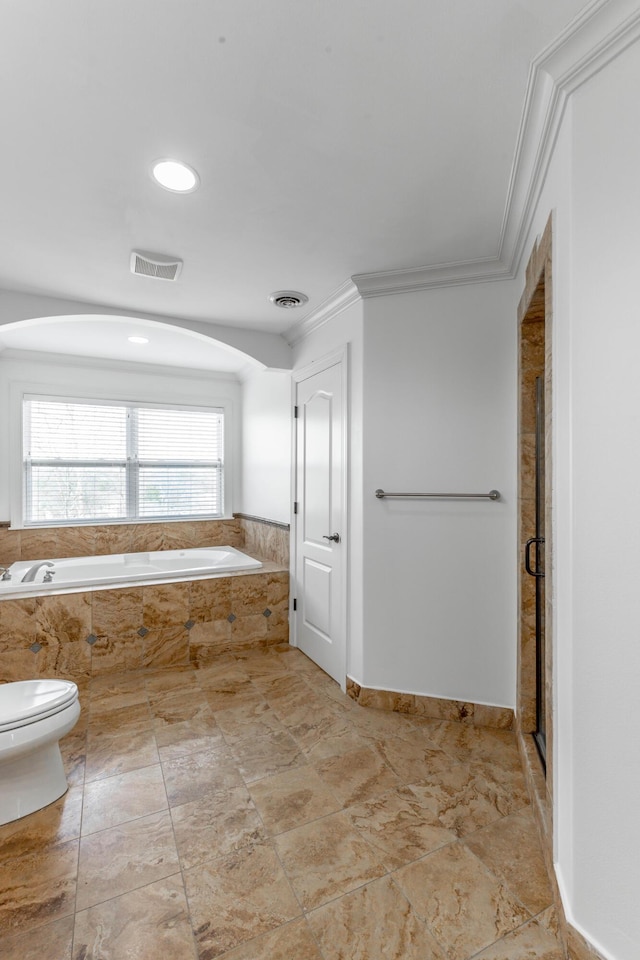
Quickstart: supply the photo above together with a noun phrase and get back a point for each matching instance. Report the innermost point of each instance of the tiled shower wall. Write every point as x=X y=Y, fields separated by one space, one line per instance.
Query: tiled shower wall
x=79 y=635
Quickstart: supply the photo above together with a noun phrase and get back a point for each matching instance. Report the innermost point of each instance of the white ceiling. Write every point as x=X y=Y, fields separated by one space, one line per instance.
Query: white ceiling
x=332 y=138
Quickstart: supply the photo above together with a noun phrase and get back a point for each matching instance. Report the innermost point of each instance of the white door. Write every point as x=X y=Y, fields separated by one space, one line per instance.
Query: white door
x=320 y=614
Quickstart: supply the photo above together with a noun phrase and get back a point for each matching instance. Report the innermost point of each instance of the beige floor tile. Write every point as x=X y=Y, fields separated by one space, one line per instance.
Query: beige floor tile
x=196 y=775
x=148 y=924
x=301 y=706
x=125 y=857
x=463 y=741
x=465 y=907
x=357 y=775
x=510 y=848
x=38 y=888
x=175 y=706
x=223 y=697
x=248 y=721
x=463 y=800
x=326 y=859
x=374 y=921
x=407 y=786
x=54 y=824
x=263 y=664
x=237 y=898
x=215 y=826
x=529 y=942
x=378 y=724
x=399 y=827
x=52 y=942
x=411 y=755
x=114 y=691
x=264 y=756
x=73 y=750
x=507 y=780
x=291 y=799
x=292 y=941
x=190 y=736
x=170 y=680
x=283 y=688
x=112 y=755
x=128 y=796
x=118 y=721
x=325 y=736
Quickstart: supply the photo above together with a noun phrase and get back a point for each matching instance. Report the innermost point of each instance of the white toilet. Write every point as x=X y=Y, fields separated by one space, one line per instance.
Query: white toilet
x=34 y=715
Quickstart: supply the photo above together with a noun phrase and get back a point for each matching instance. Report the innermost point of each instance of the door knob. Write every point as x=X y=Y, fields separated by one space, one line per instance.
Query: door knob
x=334 y=536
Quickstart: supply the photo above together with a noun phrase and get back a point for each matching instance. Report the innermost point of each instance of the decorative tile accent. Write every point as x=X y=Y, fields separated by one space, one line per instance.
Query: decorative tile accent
x=189 y=624
x=266 y=613
x=142 y=632
x=91 y=639
x=231 y=617
x=35 y=647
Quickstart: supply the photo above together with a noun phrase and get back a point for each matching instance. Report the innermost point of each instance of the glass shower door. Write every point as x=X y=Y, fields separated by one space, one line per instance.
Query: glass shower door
x=534 y=563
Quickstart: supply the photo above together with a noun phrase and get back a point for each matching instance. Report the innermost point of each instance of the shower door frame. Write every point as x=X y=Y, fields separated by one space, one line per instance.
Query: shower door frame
x=535 y=674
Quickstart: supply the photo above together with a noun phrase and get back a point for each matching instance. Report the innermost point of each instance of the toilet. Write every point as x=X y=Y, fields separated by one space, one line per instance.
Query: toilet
x=34 y=715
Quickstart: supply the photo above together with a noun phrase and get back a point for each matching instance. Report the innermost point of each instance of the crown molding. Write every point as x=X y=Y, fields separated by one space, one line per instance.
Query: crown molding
x=344 y=297
x=603 y=30
x=410 y=279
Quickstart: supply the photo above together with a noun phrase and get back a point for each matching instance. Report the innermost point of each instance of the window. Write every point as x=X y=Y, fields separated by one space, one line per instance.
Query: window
x=88 y=460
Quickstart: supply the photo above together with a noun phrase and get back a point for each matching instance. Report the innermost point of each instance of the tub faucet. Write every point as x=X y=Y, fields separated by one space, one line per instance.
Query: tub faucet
x=30 y=575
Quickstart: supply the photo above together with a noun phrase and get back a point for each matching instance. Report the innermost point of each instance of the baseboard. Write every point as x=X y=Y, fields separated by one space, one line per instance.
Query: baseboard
x=432 y=708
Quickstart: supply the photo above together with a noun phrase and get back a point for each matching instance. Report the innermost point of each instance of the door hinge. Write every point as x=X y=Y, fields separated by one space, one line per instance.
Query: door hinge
x=295 y=604
x=295 y=413
x=295 y=506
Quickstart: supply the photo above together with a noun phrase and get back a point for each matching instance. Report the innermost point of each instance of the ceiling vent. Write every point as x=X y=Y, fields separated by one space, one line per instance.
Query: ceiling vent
x=155 y=265
x=288 y=299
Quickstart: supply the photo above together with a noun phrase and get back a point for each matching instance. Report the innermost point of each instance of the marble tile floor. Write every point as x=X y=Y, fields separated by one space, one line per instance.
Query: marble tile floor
x=249 y=810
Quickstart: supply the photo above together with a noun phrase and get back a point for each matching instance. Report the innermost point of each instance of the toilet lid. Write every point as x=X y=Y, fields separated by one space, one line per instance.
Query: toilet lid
x=26 y=701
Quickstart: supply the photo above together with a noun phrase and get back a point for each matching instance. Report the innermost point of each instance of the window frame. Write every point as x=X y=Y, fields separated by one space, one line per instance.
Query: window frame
x=24 y=392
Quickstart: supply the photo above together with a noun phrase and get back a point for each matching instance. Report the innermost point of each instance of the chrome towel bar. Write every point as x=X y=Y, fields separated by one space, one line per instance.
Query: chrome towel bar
x=492 y=495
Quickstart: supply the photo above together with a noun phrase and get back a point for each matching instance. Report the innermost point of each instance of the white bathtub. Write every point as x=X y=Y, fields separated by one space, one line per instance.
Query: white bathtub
x=71 y=573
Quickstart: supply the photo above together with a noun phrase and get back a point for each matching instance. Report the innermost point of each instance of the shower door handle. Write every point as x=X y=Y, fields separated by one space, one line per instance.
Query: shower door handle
x=527 y=556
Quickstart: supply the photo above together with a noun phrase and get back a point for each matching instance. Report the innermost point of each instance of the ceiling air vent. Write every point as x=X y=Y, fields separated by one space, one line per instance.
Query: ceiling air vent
x=155 y=265
x=288 y=299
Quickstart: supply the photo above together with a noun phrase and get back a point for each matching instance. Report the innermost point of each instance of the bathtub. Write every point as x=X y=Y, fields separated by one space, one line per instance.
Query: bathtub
x=72 y=573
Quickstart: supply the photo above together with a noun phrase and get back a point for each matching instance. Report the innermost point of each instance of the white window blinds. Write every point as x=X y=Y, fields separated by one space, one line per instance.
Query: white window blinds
x=86 y=461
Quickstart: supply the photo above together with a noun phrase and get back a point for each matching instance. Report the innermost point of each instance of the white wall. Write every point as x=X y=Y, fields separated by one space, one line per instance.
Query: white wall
x=440 y=415
x=61 y=376
x=605 y=331
x=265 y=489
x=592 y=186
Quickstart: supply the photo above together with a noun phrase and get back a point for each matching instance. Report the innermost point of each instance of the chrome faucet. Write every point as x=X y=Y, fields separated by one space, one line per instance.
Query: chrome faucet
x=6 y=573
x=30 y=575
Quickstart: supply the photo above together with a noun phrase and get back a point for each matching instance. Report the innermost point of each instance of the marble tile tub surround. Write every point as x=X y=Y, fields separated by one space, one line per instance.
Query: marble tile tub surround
x=79 y=635
x=433 y=708
x=261 y=538
x=229 y=819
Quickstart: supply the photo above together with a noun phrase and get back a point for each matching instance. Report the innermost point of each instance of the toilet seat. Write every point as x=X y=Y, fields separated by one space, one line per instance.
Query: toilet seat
x=27 y=701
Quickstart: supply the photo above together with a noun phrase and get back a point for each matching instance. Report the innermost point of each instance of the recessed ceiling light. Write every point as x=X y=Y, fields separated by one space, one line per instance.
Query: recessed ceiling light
x=175 y=176
x=138 y=339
